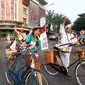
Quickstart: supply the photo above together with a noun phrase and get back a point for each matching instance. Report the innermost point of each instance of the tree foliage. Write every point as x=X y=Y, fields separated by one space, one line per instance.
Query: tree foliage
x=79 y=24
x=49 y=18
x=58 y=19
x=54 y=19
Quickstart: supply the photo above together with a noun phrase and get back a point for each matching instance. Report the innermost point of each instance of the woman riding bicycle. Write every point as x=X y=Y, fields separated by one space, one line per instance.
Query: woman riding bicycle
x=33 y=43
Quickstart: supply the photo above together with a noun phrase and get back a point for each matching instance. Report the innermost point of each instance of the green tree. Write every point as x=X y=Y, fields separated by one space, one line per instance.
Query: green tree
x=58 y=19
x=49 y=18
x=79 y=24
x=55 y=20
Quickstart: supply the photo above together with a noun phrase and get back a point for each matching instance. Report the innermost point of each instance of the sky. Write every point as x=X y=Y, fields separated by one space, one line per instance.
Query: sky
x=69 y=8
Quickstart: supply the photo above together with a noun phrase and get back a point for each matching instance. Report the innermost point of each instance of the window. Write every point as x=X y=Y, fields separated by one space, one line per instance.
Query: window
x=24 y=21
x=24 y=10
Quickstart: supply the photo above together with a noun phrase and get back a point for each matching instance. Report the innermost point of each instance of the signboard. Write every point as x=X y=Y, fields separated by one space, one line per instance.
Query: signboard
x=44 y=41
x=43 y=36
x=33 y=14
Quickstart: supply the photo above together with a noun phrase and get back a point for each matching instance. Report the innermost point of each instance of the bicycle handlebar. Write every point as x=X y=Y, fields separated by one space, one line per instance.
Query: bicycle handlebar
x=68 y=44
x=57 y=47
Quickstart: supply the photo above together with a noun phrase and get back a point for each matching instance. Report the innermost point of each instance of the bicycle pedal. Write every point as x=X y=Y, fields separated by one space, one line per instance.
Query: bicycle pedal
x=63 y=70
x=69 y=75
x=35 y=74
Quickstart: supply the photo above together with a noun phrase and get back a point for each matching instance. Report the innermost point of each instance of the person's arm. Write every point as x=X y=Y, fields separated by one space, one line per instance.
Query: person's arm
x=15 y=30
x=62 y=29
x=39 y=44
x=28 y=37
x=62 y=26
x=63 y=34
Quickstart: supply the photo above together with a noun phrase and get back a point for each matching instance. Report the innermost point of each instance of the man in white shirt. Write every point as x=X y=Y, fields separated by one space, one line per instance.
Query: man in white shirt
x=66 y=37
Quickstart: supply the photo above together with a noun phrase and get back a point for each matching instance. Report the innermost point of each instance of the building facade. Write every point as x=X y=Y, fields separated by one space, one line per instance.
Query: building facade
x=36 y=11
x=20 y=12
x=13 y=12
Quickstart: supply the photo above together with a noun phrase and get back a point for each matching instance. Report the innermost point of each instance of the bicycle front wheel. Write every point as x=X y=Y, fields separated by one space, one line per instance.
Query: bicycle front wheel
x=7 y=73
x=52 y=68
x=35 y=78
x=80 y=73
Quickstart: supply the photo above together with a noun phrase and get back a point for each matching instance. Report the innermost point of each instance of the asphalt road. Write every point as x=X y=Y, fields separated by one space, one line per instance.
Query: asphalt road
x=53 y=80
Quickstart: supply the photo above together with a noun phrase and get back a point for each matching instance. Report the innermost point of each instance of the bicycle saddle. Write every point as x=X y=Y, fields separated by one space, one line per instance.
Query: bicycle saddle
x=63 y=70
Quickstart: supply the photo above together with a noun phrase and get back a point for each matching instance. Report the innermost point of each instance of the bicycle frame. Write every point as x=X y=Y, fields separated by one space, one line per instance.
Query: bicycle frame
x=79 y=60
x=15 y=73
x=15 y=70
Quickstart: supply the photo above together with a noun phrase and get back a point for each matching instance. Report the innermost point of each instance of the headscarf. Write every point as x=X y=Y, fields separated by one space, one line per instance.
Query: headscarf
x=68 y=26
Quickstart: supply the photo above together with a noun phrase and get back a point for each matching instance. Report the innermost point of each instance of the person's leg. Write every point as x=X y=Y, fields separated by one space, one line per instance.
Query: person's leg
x=39 y=78
x=37 y=65
x=66 y=58
x=28 y=59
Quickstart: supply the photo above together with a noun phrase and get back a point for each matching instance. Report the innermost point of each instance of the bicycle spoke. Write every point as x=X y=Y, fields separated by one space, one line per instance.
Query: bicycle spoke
x=51 y=68
x=35 y=78
x=80 y=73
x=7 y=67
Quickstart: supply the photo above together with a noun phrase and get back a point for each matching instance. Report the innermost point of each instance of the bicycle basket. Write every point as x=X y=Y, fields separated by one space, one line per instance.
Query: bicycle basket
x=48 y=56
x=9 y=52
x=80 y=52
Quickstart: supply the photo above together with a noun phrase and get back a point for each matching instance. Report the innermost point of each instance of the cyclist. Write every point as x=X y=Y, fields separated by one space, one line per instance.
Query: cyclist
x=33 y=42
x=21 y=39
x=21 y=35
x=66 y=37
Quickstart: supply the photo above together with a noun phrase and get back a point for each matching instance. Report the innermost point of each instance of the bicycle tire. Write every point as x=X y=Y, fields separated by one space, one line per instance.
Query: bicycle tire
x=7 y=67
x=50 y=68
x=32 y=79
x=80 y=73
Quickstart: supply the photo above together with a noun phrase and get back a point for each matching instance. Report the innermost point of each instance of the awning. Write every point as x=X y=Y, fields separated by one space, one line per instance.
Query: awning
x=10 y=28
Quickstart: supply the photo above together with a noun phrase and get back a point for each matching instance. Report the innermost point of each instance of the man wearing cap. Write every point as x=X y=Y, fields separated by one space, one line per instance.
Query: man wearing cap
x=66 y=37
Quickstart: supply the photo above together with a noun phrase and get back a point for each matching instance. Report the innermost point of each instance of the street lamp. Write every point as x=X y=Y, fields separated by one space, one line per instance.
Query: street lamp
x=49 y=5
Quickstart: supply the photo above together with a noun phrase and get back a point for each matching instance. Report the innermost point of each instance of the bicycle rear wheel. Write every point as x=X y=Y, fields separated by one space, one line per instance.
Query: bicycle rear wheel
x=80 y=73
x=35 y=78
x=7 y=73
x=51 y=68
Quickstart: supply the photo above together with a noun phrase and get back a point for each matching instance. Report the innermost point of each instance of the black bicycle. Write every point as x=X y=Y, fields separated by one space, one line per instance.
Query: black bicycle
x=52 y=65
x=16 y=74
